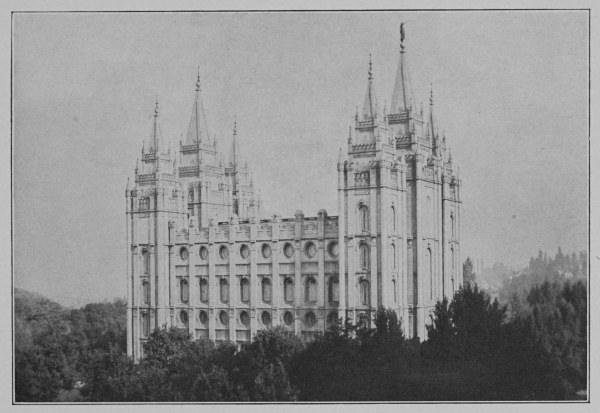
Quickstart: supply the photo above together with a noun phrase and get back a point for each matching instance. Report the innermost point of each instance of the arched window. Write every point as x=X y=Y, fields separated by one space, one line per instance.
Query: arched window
x=146 y=261
x=184 y=291
x=452 y=224
x=364 y=256
x=395 y=291
x=333 y=291
x=332 y=319
x=245 y=290
x=363 y=218
x=266 y=290
x=204 y=290
x=452 y=257
x=393 y=212
x=429 y=263
x=394 y=258
x=145 y=324
x=288 y=290
x=311 y=290
x=183 y=317
x=364 y=292
x=224 y=290
x=146 y=292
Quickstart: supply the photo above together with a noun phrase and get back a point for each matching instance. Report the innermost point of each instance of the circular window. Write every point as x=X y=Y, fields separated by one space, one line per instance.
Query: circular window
x=333 y=249
x=310 y=319
x=245 y=318
x=203 y=253
x=183 y=316
x=183 y=253
x=288 y=318
x=266 y=318
x=332 y=319
x=288 y=250
x=245 y=251
x=266 y=250
x=310 y=250
x=223 y=318
x=223 y=252
x=203 y=317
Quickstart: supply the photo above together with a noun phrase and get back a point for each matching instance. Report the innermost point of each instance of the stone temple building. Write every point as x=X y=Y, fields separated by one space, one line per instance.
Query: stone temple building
x=201 y=257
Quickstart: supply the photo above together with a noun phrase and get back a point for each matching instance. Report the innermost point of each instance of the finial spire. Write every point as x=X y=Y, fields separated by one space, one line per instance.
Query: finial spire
x=197 y=127
x=370 y=104
x=235 y=124
x=431 y=94
x=402 y=96
x=156 y=107
x=198 y=80
x=370 y=67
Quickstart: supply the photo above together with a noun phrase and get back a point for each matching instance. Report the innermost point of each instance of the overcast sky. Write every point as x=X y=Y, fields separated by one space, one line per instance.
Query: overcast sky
x=510 y=91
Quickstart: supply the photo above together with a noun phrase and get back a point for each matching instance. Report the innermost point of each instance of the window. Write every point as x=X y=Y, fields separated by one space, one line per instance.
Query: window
x=146 y=261
x=203 y=317
x=266 y=250
x=245 y=290
x=333 y=291
x=452 y=258
x=144 y=203
x=183 y=253
x=204 y=290
x=452 y=224
x=184 y=291
x=364 y=292
x=394 y=259
x=310 y=250
x=146 y=292
x=265 y=318
x=145 y=324
x=363 y=218
x=310 y=319
x=203 y=253
x=288 y=290
x=333 y=249
x=288 y=250
x=364 y=256
x=224 y=290
x=288 y=318
x=245 y=251
x=332 y=319
x=311 y=290
x=245 y=319
x=266 y=290
x=223 y=252
x=183 y=316
x=429 y=263
x=223 y=317
x=393 y=212
x=395 y=291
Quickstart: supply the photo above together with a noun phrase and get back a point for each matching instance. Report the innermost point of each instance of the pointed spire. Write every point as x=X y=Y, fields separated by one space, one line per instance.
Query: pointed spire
x=155 y=138
x=370 y=105
x=234 y=156
x=402 y=96
x=340 y=156
x=431 y=126
x=197 y=128
x=127 y=186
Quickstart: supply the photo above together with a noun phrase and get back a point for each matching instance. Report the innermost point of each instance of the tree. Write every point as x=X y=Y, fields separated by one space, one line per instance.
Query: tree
x=468 y=274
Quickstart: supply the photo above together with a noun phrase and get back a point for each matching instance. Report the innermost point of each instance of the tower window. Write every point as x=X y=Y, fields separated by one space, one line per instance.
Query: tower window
x=364 y=292
x=394 y=258
x=183 y=253
x=184 y=291
x=333 y=249
x=332 y=319
x=333 y=292
x=245 y=290
x=310 y=319
x=266 y=290
x=311 y=290
x=203 y=317
x=146 y=292
x=395 y=291
x=145 y=324
x=203 y=253
x=393 y=212
x=363 y=218
x=288 y=318
x=310 y=250
x=224 y=318
x=265 y=318
x=364 y=256
x=224 y=287
x=245 y=251
x=245 y=319
x=266 y=251
x=204 y=290
x=288 y=250
x=183 y=316
x=223 y=252
x=288 y=290
x=429 y=262
x=146 y=261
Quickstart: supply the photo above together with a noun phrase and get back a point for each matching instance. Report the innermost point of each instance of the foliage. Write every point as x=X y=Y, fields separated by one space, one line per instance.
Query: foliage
x=468 y=274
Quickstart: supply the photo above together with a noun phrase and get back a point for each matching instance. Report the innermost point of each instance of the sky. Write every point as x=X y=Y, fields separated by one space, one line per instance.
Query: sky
x=510 y=92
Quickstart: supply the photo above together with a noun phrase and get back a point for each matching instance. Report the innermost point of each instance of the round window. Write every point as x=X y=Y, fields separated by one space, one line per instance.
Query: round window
x=288 y=318
x=266 y=318
x=223 y=252
x=223 y=318
x=183 y=316
x=332 y=318
x=266 y=250
x=203 y=317
x=245 y=318
x=183 y=253
x=310 y=319
x=333 y=249
x=245 y=251
x=203 y=253
x=288 y=250
x=310 y=250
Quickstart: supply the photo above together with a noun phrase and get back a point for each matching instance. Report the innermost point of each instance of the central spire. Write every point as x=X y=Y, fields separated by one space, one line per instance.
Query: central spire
x=402 y=97
x=370 y=105
x=234 y=156
x=156 y=135
x=197 y=127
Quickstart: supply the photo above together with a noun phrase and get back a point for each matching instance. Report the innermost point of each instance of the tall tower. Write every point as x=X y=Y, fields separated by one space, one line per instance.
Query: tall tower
x=155 y=200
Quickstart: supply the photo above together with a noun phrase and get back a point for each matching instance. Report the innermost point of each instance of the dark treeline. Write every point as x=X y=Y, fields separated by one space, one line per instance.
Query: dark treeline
x=475 y=350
